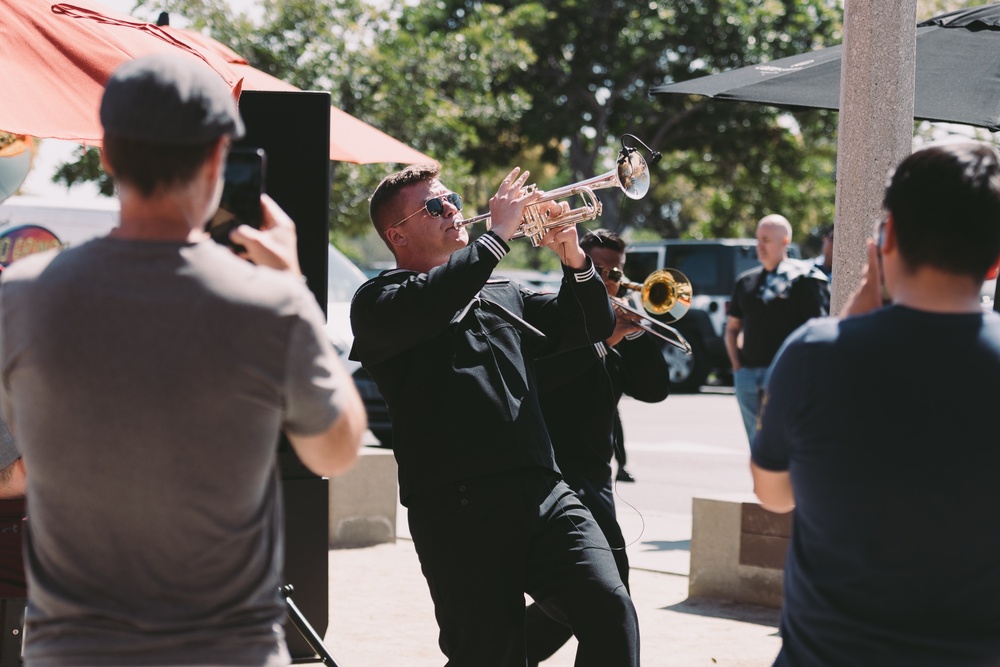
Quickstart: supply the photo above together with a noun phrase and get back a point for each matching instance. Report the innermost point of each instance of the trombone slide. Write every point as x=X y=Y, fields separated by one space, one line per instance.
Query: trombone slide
x=655 y=327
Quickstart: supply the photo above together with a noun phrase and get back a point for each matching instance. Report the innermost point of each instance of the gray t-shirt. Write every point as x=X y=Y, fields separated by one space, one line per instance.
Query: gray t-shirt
x=147 y=383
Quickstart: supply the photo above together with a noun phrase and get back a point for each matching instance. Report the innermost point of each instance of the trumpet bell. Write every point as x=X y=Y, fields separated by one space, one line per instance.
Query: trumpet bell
x=633 y=175
x=667 y=293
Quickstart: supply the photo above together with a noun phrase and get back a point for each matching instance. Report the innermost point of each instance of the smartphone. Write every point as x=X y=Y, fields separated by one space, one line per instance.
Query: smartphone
x=879 y=242
x=241 y=191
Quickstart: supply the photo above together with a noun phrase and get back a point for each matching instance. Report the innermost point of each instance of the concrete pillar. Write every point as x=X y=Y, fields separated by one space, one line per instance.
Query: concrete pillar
x=876 y=124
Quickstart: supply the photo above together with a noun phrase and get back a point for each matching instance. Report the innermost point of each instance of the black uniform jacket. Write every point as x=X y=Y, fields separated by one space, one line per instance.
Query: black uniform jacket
x=580 y=391
x=453 y=352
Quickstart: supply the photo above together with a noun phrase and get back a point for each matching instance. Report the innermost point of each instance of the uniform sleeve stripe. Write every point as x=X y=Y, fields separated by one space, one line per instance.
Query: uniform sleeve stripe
x=493 y=244
x=633 y=335
x=586 y=274
x=602 y=349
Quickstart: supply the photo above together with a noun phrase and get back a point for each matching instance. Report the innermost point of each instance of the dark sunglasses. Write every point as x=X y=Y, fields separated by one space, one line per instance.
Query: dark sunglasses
x=614 y=274
x=434 y=207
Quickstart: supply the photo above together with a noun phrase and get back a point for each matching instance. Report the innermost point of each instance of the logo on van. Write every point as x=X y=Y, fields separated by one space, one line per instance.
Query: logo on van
x=25 y=240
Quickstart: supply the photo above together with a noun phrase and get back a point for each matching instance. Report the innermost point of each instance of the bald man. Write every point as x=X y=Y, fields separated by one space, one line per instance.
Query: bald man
x=769 y=302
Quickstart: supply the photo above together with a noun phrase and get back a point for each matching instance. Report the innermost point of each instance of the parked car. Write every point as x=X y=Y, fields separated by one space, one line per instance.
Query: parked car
x=344 y=280
x=987 y=295
x=712 y=267
x=539 y=281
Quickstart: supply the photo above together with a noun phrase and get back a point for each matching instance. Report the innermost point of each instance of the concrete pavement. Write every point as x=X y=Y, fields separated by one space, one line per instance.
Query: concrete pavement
x=381 y=613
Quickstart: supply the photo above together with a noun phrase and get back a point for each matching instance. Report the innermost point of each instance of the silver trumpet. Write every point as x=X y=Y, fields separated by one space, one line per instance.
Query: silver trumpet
x=666 y=292
x=631 y=175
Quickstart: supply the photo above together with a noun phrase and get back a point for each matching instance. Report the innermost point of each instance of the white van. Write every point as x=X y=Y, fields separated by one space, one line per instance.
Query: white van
x=33 y=224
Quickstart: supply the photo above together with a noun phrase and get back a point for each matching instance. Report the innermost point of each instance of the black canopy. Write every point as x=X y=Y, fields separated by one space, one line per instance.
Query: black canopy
x=957 y=74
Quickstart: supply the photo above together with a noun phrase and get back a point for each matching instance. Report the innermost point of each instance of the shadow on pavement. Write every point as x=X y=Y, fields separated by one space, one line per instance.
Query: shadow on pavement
x=728 y=610
x=675 y=545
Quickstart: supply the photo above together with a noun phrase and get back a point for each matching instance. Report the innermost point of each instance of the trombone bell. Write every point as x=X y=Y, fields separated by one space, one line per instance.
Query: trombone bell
x=666 y=292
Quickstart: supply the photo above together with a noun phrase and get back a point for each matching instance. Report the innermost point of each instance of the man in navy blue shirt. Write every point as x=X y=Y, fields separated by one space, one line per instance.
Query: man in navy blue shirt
x=892 y=471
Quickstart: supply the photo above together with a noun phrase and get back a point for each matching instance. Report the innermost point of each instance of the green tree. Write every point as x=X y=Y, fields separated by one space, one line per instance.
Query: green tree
x=86 y=167
x=448 y=93
x=595 y=63
x=551 y=87
x=554 y=87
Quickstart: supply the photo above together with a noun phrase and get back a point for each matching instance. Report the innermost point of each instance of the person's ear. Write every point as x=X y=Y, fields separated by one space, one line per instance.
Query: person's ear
x=888 y=239
x=217 y=159
x=396 y=237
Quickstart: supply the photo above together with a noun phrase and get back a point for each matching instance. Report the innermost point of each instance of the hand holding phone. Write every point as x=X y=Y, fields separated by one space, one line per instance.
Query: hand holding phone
x=275 y=244
x=240 y=204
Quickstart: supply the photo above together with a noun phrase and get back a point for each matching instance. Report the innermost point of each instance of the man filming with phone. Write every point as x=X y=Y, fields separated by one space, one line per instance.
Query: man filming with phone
x=147 y=376
x=894 y=556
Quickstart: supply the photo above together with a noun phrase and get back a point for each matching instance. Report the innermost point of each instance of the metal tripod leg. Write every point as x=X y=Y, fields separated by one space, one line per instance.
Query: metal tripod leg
x=308 y=633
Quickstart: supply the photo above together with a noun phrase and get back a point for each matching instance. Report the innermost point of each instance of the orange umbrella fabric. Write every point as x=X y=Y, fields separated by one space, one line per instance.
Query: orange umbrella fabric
x=351 y=139
x=56 y=58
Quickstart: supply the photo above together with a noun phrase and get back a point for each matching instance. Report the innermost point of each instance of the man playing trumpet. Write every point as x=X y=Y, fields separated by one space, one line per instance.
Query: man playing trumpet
x=453 y=352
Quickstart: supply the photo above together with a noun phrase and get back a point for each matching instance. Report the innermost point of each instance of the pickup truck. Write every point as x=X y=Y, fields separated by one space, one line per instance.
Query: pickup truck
x=711 y=266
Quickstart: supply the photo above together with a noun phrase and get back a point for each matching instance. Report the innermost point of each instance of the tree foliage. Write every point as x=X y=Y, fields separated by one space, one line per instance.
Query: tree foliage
x=555 y=87
x=85 y=168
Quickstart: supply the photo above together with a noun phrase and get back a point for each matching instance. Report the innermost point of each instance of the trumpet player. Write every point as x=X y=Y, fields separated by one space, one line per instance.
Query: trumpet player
x=453 y=352
x=579 y=392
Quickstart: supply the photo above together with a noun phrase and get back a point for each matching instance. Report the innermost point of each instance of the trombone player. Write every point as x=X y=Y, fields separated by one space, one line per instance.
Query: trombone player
x=453 y=352
x=579 y=392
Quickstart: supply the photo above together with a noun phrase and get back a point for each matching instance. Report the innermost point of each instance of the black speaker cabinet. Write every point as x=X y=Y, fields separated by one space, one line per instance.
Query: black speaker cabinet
x=294 y=130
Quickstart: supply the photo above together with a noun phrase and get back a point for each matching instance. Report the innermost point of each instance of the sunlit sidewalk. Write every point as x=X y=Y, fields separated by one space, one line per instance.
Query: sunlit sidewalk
x=381 y=616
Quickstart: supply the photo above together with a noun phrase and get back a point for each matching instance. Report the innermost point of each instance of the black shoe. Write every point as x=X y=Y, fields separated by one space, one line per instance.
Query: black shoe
x=624 y=476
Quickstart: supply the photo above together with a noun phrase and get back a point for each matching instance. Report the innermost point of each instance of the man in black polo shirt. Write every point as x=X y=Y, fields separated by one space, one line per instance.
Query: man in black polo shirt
x=453 y=351
x=769 y=302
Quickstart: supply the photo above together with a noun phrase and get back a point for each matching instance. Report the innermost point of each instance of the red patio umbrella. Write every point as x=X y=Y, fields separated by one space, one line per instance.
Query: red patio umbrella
x=351 y=139
x=56 y=58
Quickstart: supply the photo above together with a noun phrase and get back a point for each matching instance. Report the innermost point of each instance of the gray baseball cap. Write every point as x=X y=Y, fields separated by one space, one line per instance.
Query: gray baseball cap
x=169 y=99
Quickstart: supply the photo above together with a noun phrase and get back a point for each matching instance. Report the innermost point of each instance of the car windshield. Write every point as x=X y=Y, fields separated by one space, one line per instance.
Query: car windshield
x=344 y=277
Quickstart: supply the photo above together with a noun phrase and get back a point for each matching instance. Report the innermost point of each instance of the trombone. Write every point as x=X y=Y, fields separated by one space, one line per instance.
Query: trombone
x=631 y=175
x=666 y=292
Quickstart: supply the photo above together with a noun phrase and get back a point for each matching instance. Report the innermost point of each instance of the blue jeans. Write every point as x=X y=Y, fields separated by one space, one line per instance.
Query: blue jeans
x=749 y=383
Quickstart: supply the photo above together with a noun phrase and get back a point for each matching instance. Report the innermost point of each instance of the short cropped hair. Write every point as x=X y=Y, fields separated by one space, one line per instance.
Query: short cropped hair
x=602 y=238
x=777 y=220
x=148 y=166
x=383 y=204
x=945 y=203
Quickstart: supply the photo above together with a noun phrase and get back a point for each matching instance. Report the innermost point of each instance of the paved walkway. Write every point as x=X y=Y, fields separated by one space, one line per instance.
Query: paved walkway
x=381 y=613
